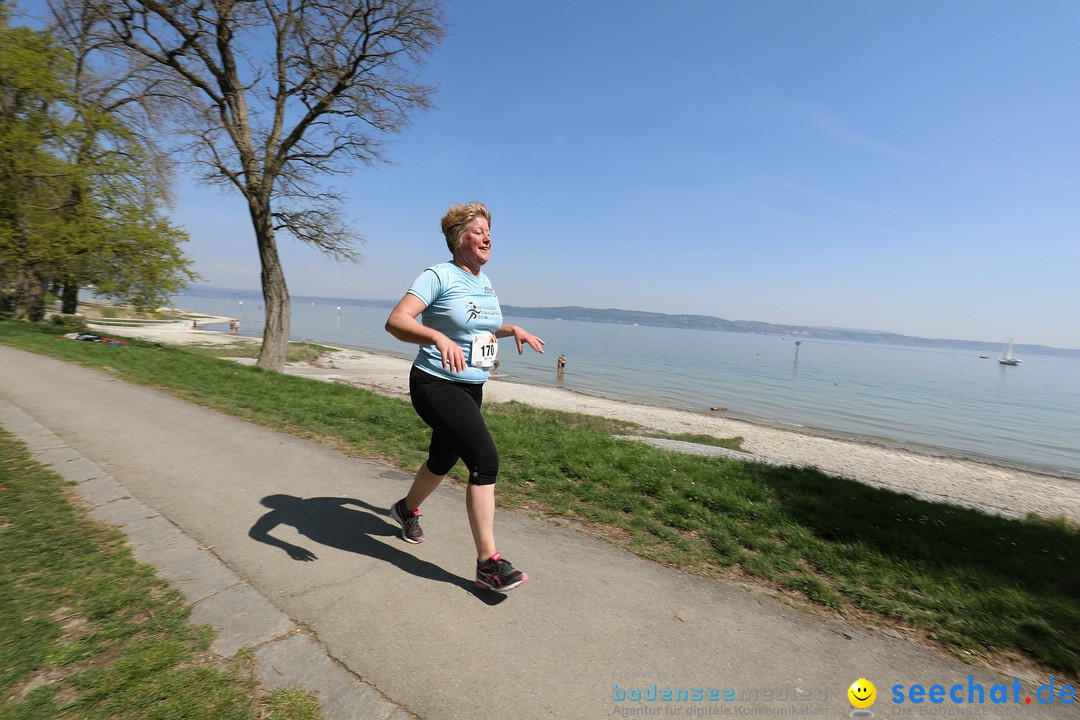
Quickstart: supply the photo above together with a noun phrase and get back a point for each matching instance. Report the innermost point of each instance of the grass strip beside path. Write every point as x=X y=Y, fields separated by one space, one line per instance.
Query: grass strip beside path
x=978 y=584
x=87 y=632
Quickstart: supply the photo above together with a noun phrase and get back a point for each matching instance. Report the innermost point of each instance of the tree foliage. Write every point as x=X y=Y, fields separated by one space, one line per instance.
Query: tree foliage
x=271 y=98
x=81 y=195
x=31 y=72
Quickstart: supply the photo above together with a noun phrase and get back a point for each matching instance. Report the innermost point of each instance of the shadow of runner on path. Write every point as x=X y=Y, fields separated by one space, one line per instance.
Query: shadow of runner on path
x=353 y=526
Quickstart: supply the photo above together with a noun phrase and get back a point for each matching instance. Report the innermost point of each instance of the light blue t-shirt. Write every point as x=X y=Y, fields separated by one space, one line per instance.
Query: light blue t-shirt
x=459 y=305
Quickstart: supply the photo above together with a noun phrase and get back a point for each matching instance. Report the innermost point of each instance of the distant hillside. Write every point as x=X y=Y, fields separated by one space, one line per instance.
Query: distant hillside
x=695 y=322
x=256 y=295
x=708 y=322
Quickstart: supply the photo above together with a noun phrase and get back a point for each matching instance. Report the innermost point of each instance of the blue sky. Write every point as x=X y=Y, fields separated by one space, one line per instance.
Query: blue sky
x=908 y=166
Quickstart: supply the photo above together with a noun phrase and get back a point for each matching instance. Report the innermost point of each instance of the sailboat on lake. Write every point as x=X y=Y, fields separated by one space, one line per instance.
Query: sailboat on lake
x=1007 y=358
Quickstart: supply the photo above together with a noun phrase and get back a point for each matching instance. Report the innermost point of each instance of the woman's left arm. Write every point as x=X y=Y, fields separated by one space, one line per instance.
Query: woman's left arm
x=522 y=337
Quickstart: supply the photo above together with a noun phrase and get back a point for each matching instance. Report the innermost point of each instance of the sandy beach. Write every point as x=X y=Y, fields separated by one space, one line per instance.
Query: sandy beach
x=1000 y=490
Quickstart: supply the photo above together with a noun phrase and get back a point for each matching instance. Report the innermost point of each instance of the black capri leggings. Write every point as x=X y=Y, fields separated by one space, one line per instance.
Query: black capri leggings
x=458 y=430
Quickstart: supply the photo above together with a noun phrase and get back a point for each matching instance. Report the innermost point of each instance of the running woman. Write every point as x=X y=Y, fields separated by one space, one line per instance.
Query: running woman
x=458 y=338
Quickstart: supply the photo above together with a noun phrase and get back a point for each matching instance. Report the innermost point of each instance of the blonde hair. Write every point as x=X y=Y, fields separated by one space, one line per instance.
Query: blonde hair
x=457 y=218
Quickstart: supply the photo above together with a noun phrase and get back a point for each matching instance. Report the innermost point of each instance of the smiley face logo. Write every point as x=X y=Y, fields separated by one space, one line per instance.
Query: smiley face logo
x=862 y=693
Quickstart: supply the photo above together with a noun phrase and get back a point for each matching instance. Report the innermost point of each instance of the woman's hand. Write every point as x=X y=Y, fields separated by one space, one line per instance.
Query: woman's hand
x=403 y=325
x=522 y=337
x=453 y=357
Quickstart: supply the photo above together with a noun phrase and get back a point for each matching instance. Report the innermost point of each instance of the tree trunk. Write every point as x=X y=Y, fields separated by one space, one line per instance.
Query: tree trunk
x=275 y=342
x=69 y=304
x=29 y=297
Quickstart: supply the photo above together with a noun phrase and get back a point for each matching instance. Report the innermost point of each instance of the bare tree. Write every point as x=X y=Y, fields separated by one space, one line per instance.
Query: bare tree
x=274 y=95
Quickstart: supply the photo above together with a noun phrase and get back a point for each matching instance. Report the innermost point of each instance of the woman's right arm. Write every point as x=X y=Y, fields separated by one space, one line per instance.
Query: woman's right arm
x=403 y=325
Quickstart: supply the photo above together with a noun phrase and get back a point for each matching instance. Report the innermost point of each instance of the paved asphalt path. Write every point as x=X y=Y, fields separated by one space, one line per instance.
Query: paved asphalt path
x=292 y=541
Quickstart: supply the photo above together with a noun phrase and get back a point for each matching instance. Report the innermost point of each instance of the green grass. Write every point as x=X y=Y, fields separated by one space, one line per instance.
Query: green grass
x=975 y=583
x=86 y=632
x=297 y=352
x=734 y=443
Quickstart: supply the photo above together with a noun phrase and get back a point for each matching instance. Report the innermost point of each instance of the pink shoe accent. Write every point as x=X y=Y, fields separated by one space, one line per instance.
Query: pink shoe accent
x=507 y=589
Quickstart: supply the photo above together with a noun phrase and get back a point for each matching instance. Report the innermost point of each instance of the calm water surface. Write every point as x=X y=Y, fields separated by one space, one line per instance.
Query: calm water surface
x=935 y=400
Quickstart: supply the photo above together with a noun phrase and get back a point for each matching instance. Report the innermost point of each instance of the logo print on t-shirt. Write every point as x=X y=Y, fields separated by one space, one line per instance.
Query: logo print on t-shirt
x=472 y=310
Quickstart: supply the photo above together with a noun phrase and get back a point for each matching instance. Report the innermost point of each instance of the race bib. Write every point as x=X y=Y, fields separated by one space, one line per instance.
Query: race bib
x=484 y=349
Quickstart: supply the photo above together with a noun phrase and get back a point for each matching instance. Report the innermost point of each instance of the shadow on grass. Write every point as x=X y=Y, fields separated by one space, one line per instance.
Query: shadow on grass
x=353 y=526
x=1007 y=582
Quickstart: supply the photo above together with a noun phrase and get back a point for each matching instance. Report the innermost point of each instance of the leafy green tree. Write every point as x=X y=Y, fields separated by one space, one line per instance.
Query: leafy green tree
x=271 y=97
x=118 y=240
x=141 y=264
x=128 y=250
x=32 y=69
x=82 y=190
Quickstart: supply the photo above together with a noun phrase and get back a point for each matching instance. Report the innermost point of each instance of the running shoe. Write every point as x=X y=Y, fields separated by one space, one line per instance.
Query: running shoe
x=409 y=521
x=498 y=574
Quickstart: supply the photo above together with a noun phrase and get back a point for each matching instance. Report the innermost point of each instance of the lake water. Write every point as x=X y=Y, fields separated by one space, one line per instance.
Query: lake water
x=942 y=401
